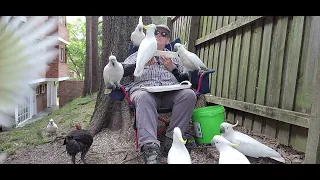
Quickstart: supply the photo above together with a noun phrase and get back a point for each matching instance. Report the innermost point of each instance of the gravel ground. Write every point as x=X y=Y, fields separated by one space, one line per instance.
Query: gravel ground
x=110 y=148
x=116 y=147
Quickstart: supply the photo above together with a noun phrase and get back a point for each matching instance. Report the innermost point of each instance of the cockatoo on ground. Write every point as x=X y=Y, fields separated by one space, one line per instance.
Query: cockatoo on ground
x=248 y=145
x=178 y=153
x=27 y=46
x=227 y=154
x=138 y=35
x=112 y=74
x=147 y=49
x=52 y=127
x=189 y=60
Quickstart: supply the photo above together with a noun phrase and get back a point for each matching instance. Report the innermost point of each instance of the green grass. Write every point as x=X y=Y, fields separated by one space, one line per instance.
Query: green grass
x=34 y=134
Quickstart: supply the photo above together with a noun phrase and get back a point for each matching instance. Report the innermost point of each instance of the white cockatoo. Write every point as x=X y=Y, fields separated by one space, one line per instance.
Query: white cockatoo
x=27 y=46
x=189 y=60
x=52 y=127
x=178 y=153
x=147 y=49
x=112 y=73
x=227 y=154
x=248 y=145
x=138 y=35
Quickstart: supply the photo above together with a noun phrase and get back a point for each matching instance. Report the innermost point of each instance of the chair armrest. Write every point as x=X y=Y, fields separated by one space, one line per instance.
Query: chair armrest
x=203 y=82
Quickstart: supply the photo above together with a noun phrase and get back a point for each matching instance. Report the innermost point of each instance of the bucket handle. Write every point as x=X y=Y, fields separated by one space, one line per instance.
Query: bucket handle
x=185 y=83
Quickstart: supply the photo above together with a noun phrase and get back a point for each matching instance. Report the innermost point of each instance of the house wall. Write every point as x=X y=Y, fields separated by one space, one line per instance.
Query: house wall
x=69 y=90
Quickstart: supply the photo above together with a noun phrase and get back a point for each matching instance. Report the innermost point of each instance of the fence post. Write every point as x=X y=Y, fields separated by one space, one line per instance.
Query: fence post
x=169 y=24
x=194 y=27
x=312 y=155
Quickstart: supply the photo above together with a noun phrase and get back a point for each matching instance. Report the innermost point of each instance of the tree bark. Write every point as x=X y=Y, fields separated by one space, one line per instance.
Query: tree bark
x=87 y=90
x=95 y=57
x=116 y=32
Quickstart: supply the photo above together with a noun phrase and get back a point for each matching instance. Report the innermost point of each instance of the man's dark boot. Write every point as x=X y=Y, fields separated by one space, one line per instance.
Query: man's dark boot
x=167 y=145
x=151 y=153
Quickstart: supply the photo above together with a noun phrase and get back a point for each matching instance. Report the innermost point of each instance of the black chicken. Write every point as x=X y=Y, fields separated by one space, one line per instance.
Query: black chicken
x=76 y=141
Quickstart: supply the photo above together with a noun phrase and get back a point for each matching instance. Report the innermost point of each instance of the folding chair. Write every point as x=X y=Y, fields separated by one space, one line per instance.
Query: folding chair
x=200 y=83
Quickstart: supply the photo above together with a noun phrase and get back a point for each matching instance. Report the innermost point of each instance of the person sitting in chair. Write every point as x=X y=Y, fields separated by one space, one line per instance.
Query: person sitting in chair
x=159 y=71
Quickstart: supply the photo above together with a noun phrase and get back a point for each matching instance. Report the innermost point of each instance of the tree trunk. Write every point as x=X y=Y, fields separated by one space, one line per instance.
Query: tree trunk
x=87 y=90
x=95 y=57
x=116 y=32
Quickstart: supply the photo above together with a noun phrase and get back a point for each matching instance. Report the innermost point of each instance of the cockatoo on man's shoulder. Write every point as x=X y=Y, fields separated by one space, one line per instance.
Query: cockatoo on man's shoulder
x=138 y=35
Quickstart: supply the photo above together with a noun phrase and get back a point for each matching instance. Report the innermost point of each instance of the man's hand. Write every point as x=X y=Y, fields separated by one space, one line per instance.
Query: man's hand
x=167 y=62
x=151 y=61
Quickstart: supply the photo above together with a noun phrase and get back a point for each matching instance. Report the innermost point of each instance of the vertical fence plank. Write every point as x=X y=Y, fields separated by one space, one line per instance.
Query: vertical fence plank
x=200 y=27
x=242 y=78
x=290 y=73
x=313 y=142
x=216 y=57
x=234 y=70
x=221 y=61
x=226 y=77
x=263 y=70
x=194 y=24
x=253 y=70
x=275 y=70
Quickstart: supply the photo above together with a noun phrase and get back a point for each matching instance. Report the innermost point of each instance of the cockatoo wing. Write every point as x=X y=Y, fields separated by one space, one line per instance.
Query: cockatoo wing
x=252 y=147
x=196 y=60
x=146 y=51
x=232 y=156
x=176 y=156
x=119 y=73
x=106 y=74
x=26 y=50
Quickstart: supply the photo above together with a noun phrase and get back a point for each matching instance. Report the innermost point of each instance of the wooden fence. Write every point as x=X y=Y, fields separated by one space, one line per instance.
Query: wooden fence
x=266 y=72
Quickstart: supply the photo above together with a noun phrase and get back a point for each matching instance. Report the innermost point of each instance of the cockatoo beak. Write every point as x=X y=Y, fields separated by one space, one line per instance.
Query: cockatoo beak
x=146 y=27
x=222 y=129
x=183 y=141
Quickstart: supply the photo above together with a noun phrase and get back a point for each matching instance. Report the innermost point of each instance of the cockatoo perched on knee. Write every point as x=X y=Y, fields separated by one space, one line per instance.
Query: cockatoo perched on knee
x=189 y=60
x=138 y=35
x=178 y=153
x=227 y=154
x=147 y=49
x=27 y=46
x=112 y=74
x=248 y=145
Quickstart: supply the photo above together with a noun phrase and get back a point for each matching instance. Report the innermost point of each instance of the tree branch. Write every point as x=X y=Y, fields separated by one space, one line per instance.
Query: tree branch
x=75 y=66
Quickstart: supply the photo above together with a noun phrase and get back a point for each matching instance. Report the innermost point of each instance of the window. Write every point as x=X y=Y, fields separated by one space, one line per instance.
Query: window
x=23 y=110
x=61 y=55
x=41 y=89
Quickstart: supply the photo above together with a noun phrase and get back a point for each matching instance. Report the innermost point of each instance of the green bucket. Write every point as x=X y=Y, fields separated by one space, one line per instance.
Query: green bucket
x=206 y=122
